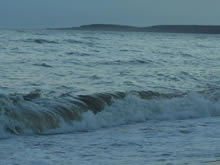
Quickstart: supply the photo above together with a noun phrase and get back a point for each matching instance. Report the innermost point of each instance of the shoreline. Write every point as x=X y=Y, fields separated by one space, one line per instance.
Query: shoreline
x=199 y=29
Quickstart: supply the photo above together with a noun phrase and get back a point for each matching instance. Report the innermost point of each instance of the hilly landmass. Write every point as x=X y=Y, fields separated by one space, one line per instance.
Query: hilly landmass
x=206 y=29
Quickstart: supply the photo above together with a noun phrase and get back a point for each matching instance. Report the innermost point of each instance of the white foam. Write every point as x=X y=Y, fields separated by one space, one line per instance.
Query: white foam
x=134 y=109
x=20 y=117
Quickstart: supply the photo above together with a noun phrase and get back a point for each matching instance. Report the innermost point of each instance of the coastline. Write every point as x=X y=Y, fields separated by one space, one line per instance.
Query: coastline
x=200 y=29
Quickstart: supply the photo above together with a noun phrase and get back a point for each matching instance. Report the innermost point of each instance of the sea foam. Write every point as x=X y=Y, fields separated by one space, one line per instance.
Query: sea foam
x=20 y=114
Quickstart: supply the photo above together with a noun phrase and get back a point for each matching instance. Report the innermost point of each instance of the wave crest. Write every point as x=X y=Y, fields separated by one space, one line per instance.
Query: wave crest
x=32 y=113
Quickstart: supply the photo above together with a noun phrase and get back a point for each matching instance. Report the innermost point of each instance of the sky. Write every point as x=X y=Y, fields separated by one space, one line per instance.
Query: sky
x=68 y=13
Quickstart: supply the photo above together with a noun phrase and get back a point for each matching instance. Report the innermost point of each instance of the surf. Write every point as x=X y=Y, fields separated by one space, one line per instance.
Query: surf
x=34 y=114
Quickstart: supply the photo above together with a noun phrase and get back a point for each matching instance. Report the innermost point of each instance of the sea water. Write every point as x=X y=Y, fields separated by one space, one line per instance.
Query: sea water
x=97 y=97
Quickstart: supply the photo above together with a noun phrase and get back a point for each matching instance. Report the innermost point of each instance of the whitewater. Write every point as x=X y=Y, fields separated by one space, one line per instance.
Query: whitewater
x=98 y=97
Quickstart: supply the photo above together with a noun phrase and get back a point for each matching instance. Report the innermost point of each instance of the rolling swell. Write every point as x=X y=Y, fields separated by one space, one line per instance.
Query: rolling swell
x=41 y=41
x=31 y=113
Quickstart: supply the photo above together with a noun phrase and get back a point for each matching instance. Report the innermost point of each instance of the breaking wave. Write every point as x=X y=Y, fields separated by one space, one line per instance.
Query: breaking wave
x=33 y=114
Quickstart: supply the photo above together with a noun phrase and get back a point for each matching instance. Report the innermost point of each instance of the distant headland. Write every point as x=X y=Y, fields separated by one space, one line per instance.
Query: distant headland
x=204 y=29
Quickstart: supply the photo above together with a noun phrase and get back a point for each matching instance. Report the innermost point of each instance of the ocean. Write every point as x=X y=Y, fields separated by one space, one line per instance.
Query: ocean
x=99 y=97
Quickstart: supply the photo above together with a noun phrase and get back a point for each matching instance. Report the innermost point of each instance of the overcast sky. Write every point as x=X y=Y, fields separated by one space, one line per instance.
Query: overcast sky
x=65 y=13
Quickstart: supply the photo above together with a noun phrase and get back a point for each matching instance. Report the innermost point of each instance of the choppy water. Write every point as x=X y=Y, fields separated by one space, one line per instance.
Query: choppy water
x=84 y=97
